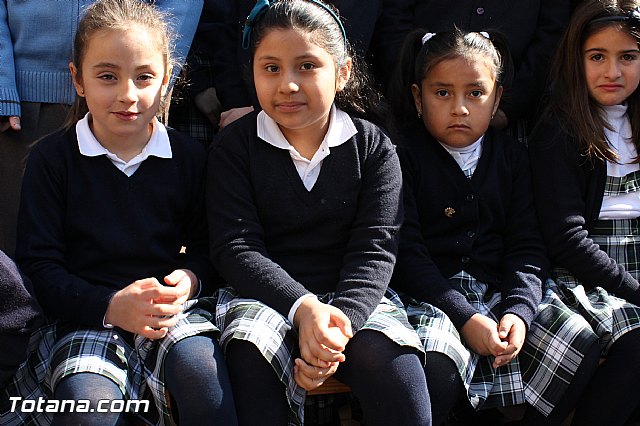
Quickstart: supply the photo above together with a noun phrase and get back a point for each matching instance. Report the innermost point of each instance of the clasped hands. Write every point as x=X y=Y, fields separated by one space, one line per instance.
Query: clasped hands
x=323 y=334
x=148 y=308
x=502 y=340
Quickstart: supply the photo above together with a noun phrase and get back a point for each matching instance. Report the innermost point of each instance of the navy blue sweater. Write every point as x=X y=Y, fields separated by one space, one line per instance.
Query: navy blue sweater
x=274 y=241
x=485 y=225
x=86 y=230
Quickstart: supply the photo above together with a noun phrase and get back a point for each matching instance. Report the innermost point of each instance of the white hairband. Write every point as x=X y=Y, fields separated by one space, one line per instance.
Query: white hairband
x=429 y=36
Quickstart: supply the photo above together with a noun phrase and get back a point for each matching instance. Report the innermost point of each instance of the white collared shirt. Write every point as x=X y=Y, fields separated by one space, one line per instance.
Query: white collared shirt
x=158 y=146
x=621 y=206
x=466 y=157
x=341 y=129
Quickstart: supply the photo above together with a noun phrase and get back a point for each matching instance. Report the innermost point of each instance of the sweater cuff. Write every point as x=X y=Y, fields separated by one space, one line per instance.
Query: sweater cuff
x=629 y=289
x=456 y=306
x=9 y=103
x=93 y=313
x=521 y=310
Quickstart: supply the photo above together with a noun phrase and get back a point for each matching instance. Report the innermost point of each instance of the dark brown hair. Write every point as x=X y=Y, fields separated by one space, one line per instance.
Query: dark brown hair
x=417 y=58
x=580 y=114
x=359 y=96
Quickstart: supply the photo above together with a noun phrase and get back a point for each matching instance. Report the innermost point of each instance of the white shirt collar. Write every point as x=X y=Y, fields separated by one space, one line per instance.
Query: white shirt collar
x=158 y=145
x=341 y=129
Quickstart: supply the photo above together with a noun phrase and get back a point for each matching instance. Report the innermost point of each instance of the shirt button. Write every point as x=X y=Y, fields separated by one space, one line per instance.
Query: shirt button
x=465 y=259
x=480 y=11
x=471 y=234
x=470 y=197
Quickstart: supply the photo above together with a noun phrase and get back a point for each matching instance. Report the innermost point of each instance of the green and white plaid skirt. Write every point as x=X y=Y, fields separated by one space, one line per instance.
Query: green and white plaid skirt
x=133 y=362
x=277 y=340
x=608 y=315
x=553 y=349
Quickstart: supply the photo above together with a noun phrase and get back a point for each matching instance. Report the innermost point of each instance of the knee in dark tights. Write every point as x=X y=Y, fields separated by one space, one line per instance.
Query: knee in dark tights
x=444 y=383
x=611 y=396
x=259 y=395
x=197 y=378
x=91 y=387
x=387 y=379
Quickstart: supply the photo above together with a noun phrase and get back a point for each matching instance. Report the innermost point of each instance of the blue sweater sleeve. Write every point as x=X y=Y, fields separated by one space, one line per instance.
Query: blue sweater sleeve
x=9 y=99
x=184 y=18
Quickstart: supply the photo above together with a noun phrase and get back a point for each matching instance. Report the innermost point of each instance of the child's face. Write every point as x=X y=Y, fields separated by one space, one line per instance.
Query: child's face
x=296 y=81
x=122 y=79
x=457 y=99
x=611 y=65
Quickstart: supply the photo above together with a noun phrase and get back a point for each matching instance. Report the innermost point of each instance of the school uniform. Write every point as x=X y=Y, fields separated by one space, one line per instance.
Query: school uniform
x=593 y=244
x=91 y=224
x=278 y=234
x=470 y=244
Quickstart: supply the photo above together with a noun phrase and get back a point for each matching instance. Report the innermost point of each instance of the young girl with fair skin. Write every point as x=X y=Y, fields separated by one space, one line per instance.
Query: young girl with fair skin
x=584 y=158
x=471 y=262
x=107 y=206
x=304 y=208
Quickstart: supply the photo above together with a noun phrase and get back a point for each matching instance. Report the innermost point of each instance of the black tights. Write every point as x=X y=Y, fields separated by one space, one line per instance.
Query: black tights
x=387 y=379
x=613 y=393
x=445 y=387
x=91 y=387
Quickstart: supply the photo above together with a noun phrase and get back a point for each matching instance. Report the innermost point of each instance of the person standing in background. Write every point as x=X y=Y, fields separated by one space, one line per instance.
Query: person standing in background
x=532 y=28
x=36 y=91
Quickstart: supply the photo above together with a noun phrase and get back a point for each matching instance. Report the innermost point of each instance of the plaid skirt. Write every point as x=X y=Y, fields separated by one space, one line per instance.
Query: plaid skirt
x=277 y=340
x=608 y=315
x=553 y=349
x=134 y=363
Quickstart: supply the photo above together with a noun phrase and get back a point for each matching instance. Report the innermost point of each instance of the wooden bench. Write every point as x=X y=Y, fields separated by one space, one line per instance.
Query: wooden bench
x=330 y=386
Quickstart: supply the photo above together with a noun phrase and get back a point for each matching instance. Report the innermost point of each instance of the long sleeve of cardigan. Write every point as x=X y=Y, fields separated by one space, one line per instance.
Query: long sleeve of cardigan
x=373 y=242
x=237 y=246
x=561 y=188
x=41 y=248
x=525 y=264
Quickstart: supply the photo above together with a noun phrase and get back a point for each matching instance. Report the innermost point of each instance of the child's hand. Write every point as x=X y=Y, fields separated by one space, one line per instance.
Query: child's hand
x=323 y=331
x=135 y=308
x=310 y=377
x=185 y=282
x=7 y=123
x=512 y=330
x=481 y=334
x=229 y=116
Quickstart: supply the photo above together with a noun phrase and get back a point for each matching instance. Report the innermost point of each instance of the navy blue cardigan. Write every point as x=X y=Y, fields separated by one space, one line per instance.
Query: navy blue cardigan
x=485 y=225
x=569 y=188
